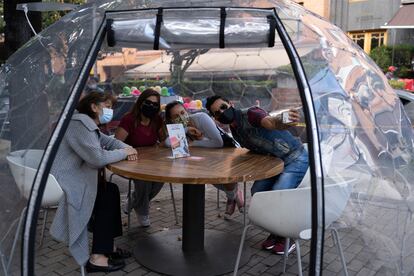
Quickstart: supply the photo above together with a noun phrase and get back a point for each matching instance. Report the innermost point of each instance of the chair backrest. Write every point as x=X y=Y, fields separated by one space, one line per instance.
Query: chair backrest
x=288 y=212
x=23 y=165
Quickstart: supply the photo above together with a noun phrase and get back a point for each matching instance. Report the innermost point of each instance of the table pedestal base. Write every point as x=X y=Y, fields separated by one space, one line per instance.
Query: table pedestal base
x=162 y=252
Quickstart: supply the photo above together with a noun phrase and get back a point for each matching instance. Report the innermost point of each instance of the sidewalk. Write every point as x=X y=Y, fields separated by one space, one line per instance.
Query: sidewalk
x=54 y=258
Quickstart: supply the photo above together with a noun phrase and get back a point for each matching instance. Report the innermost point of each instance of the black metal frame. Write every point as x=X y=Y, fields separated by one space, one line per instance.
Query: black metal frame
x=39 y=184
x=317 y=191
x=34 y=203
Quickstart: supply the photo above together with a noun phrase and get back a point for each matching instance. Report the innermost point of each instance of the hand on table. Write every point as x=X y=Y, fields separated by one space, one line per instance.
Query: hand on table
x=132 y=154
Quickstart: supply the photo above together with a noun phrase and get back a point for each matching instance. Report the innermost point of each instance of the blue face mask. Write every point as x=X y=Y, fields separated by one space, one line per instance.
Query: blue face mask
x=106 y=115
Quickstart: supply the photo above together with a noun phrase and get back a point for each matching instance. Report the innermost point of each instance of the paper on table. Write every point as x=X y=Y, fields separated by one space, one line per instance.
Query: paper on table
x=178 y=140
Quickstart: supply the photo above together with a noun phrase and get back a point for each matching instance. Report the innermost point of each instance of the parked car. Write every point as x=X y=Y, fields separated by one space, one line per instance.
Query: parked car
x=407 y=99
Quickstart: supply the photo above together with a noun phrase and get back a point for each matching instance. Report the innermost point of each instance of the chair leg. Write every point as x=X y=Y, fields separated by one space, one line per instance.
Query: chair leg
x=285 y=254
x=236 y=266
x=245 y=202
x=42 y=233
x=129 y=204
x=16 y=237
x=82 y=269
x=335 y=235
x=218 y=199
x=174 y=206
x=110 y=177
x=298 y=256
x=3 y=255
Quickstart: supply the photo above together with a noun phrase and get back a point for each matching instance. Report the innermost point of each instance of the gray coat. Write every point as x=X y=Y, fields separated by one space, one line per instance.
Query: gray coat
x=80 y=155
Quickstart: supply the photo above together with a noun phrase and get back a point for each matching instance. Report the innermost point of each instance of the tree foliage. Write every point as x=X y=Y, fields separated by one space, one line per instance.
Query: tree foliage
x=403 y=54
x=48 y=18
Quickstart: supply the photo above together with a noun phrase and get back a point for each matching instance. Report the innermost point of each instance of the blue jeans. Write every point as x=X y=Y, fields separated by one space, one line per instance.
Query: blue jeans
x=290 y=178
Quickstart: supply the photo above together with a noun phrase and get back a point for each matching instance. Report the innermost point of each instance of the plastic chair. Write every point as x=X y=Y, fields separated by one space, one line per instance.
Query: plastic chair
x=23 y=165
x=293 y=220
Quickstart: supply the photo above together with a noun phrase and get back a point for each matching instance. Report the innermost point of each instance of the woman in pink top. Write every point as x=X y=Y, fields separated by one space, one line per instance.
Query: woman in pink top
x=138 y=128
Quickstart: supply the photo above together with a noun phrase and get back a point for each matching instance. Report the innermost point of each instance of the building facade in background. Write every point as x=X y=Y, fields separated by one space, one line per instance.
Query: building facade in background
x=364 y=20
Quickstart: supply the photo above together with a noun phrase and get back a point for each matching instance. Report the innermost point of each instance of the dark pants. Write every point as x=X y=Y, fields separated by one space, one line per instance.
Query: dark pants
x=106 y=221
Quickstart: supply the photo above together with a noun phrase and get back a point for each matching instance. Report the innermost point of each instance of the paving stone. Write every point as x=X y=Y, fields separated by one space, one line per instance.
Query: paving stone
x=258 y=269
x=365 y=272
x=334 y=266
x=54 y=258
x=355 y=265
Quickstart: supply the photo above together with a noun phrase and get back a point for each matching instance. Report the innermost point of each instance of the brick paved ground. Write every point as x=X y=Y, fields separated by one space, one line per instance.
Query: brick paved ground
x=54 y=259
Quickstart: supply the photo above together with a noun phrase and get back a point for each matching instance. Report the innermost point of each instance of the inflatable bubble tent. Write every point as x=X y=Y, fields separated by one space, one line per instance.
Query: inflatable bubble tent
x=274 y=54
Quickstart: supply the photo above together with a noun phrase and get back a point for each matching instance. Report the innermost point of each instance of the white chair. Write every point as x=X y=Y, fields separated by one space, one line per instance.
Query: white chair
x=23 y=165
x=293 y=216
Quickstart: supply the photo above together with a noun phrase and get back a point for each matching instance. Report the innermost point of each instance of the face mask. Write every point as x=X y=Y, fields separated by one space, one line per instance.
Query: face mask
x=106 y=115
x=183 y=119
x=227 y=116
x=149 y=111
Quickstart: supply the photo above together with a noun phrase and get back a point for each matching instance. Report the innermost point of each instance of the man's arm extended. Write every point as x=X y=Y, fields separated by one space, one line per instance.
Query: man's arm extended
x=275 y=122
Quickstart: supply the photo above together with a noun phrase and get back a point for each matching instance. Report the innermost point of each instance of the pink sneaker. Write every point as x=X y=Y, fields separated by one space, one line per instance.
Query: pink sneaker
x=279 y=248
x=270 y=242
x=240 y=200
x=230 y=207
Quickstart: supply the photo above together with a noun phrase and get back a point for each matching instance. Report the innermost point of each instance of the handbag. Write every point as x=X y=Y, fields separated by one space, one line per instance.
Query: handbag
x=228 y=141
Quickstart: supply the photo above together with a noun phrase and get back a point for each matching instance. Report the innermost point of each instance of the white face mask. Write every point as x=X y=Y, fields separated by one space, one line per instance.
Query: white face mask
x=106 y=115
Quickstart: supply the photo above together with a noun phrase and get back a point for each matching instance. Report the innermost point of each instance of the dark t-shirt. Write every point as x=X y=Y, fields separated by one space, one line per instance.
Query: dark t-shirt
x=138 y=135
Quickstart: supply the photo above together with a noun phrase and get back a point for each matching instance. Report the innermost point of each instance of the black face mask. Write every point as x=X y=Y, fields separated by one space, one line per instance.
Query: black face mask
x=149 y=110
x=227 y=116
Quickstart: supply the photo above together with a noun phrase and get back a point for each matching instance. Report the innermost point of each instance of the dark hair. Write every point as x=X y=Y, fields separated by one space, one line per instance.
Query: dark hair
x=210 y=101
x=94 y=97
x=136 y=109
x=168 y=108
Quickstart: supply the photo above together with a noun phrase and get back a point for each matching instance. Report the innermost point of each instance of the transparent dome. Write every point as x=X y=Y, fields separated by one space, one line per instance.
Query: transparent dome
x=357 y=128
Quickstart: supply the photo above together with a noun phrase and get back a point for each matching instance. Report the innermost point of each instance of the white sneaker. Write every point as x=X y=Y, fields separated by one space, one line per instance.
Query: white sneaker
x=144 y=220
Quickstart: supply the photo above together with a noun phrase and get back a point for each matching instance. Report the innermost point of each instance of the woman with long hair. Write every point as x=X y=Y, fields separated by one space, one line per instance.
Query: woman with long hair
x=143 y=126
x=202 y=131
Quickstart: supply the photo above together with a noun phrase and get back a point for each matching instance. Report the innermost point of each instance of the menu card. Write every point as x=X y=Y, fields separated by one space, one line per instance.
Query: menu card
x=178 y=140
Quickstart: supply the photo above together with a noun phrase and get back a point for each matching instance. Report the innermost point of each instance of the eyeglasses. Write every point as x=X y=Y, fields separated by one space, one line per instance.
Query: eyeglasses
x=154 y=104
x=222 y=107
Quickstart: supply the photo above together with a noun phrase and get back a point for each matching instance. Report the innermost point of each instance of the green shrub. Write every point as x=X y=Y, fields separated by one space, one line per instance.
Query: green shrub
x=397 y=84
x=403 y=54
x=382 y=57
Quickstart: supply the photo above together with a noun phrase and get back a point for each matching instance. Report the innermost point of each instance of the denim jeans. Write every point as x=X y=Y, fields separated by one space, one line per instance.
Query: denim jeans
x=290 y=178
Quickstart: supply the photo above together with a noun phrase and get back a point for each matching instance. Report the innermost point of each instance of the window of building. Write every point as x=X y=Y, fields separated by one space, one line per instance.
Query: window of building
x=359 y=39
x=369 y=40
x=377 y=39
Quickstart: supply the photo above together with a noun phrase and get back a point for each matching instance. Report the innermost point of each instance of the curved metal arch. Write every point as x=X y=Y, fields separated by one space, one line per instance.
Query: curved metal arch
x=33 y=207
x=317 y=191
x=35 y=199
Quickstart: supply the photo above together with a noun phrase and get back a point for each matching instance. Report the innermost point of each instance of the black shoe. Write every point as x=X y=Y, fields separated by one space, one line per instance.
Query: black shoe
x=112 y=266
x=119 y=254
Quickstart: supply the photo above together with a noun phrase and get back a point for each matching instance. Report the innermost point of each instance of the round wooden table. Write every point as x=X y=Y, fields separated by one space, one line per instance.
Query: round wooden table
x=164 y=252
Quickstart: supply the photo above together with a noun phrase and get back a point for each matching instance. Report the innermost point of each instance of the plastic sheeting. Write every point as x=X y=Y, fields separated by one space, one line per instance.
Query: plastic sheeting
x=359 y=116
x=191 y=28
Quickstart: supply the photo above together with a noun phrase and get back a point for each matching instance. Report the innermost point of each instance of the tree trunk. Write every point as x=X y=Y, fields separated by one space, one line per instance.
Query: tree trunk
x=17 y=31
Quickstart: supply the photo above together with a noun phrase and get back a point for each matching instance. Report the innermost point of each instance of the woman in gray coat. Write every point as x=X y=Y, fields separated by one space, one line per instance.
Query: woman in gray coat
x=83 y=151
